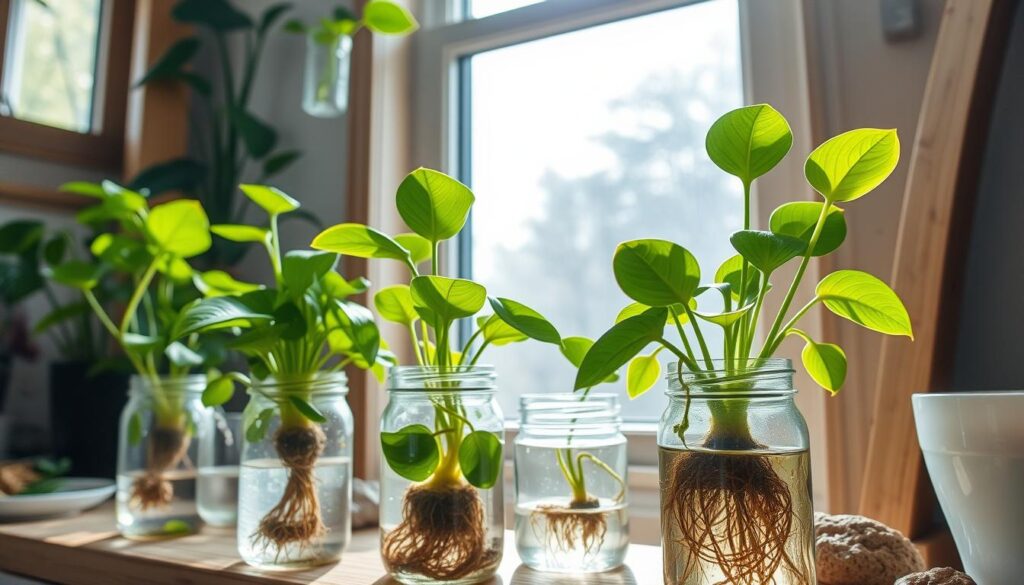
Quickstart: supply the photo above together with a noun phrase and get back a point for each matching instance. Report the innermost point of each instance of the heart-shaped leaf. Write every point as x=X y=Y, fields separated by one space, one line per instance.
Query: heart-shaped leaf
x=419 y=248
x=214 y=313
x=387 y=17
x=181 y=355
x=748 y=142
x=290 y=322
x=307 y=410
x=77 y=274
x=272 y=200
x=394 y=303
x=241 y=233
x=730 y=272
x=433 y=204
x=357 y=322
x=301 y=268
x=865 y=300
x=850 y=165
x=480 y=459
x=215 y=283
x=360 y=241
x=447 y=299
x=825 y=362
x=798 y=218
x=725 y=319
x=656 y=273
x=618 y=345
x=634 y=309
x=575 y=349
x=496 y=331
x=172 y=62
x=642 y=374
x=180 y=228
x=218 y=391
x=526 y=320
x=411 y=452
x=766 y=251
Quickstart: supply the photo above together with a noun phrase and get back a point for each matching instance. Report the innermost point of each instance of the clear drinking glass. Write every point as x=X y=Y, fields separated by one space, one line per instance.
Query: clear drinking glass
x=219 y=458
x=161 y=428
x=442 y=529
x=295 y=488
x=325 y=94
x=735 y=477
x=571 y=496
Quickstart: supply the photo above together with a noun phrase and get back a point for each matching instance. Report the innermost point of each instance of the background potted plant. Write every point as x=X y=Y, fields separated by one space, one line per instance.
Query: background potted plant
x=733 y=447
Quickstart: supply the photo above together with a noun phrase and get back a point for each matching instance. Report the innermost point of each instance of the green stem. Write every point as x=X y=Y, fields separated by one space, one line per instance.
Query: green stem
x=133 y=303
x=789 y=324
x=275 y=251
x=700 y=337
x=743 y=271
x=749 y=341
x=607 y=469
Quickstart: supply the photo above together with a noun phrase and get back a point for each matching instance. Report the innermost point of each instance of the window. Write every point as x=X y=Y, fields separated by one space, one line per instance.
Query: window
x=482 y=8
x=64 y=78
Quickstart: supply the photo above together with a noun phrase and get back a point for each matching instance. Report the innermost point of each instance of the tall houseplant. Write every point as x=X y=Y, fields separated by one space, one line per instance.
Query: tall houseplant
x=730 y=509
x=20 y=247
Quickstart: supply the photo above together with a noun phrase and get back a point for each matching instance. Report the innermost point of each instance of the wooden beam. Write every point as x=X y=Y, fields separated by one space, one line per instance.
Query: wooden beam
x=945 y=164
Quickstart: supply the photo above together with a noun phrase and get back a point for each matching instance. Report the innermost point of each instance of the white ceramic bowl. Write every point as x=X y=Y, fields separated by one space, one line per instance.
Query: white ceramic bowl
x=74 y=495
x=973 y=444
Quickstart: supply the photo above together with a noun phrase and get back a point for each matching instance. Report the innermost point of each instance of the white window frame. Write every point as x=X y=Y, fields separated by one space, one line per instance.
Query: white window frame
x=775 y=70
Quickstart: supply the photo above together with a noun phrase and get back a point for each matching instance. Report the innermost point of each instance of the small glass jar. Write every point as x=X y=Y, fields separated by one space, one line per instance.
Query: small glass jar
x=161 y=428
x=571 y=494
x=442 y=527
x=325 y=94
x=295 y=486
x=735 y=474
x=219 y=458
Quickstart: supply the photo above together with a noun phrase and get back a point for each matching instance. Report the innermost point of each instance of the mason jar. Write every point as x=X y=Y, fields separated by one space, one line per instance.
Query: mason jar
x=295 y=485
x=219 y=458
x=325 y=91
x=161 y=427
x=441 y=505
x=735 y=474
x=571 y=495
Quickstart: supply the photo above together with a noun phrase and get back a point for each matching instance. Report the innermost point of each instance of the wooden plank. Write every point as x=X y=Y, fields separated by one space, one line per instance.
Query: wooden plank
x=929 y=256
x=85 y=550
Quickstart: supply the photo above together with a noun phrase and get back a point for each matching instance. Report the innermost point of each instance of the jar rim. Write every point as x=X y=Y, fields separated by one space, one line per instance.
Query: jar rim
x=186 y=384
x=570 y=410
x=474 y=379
x=318 y=383
x=755 y=378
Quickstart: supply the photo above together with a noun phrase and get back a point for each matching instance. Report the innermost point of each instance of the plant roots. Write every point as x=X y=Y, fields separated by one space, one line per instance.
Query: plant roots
x=563 y=528
x=165 y=448
x=441 y=535
x=732 y=511
x=296 y=518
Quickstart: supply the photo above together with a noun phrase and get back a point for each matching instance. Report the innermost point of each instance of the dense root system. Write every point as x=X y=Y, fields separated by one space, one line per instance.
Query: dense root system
x=441 y=535
x=732 y=511
x=165 y=448
x=296 y=518
x=563 y=529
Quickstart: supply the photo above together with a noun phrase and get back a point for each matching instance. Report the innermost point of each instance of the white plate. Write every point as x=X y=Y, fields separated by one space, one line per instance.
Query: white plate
x=75 y=494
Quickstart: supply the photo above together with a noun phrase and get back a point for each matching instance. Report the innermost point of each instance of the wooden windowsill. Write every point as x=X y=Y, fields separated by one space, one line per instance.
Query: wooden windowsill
x=86 y=550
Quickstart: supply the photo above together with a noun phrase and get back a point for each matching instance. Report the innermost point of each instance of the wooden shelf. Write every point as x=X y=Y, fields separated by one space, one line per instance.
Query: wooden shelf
x=86 y=550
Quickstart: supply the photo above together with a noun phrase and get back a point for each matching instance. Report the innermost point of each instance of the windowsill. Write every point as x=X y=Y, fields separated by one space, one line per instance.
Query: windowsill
x=32 y=196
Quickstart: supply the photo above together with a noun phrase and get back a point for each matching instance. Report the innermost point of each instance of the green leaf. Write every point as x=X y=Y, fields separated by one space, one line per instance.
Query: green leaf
x=141 y=343
x=358 y=324
x=634 y=309
x=77 y=274
x=336 y=287
x=183 y=174
x=497 y=332
x=180 y=228
x=447 y=298
x=825 y=362
x=219 y=15
x=290 y=322
x=725 y=319
x=241 y=233
x=575 y=349
x=172 y=62
x=135 y=429
x=394 y=303
x=279 y=162
x=749 y=142
x=295 y=26
x=433 y=204
x=270 y=16
x=730 y=273
x=175 y=269
x=850 y=165
x=259 y=340
x=419 y=247
x=61 y=314
x=84 y=188
x=360 y=241
x=480 y=459
x=180 y=355
x=259 y=138
x=642 y=374
x=411 y=452
x=20 y=236
x=766 y=251
x=307 y=410
x=798 y=218
x=257 y=429
x=618 y=345
x=656 y=273
x=176 y=527
x=390 y=18
x=526 y=320
x=218 y=391
x=865 y=300
x=55 y=249
x=301 y=268
x=214 y=313
x=272 y=200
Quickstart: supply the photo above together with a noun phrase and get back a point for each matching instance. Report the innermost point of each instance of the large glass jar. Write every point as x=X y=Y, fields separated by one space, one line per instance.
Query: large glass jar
x=161 y=427
x=571 y=500
x=441 y=506
x=295 y=485
x=735 y=477
x=325 y=94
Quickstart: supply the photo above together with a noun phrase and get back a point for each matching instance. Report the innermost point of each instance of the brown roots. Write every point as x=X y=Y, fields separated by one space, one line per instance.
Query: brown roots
x=441 y=535
x=296 y=518
x=165 y=448
x=732 y=511
x=563 y=528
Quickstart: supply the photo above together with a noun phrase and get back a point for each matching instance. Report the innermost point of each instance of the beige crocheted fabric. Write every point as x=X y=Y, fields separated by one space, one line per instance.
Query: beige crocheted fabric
x=854 y=550
x=940 y=576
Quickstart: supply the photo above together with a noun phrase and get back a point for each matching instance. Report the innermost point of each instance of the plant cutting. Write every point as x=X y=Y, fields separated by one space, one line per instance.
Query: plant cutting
x=731 y=511
x=312 y=331
x=442 y=534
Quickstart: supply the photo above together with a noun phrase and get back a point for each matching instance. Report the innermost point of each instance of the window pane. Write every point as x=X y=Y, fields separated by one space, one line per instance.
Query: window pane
x=580 y=141
x=51 y=62
x=482 y=8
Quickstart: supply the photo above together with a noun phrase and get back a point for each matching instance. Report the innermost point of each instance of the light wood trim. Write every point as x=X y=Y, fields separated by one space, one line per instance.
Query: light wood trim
x=945 y=163
x=938 y=550
x=157 y=120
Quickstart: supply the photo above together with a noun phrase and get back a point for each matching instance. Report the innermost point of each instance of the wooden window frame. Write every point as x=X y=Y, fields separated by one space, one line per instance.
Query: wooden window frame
x=101 y=150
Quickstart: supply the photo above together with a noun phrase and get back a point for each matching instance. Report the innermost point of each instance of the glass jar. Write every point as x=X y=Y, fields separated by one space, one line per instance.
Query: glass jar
x=161 y=427
x=442 y=510
x=325 y=94
x=735 y=474
x=571 y=496
x=295 y=486
x=219 y=458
